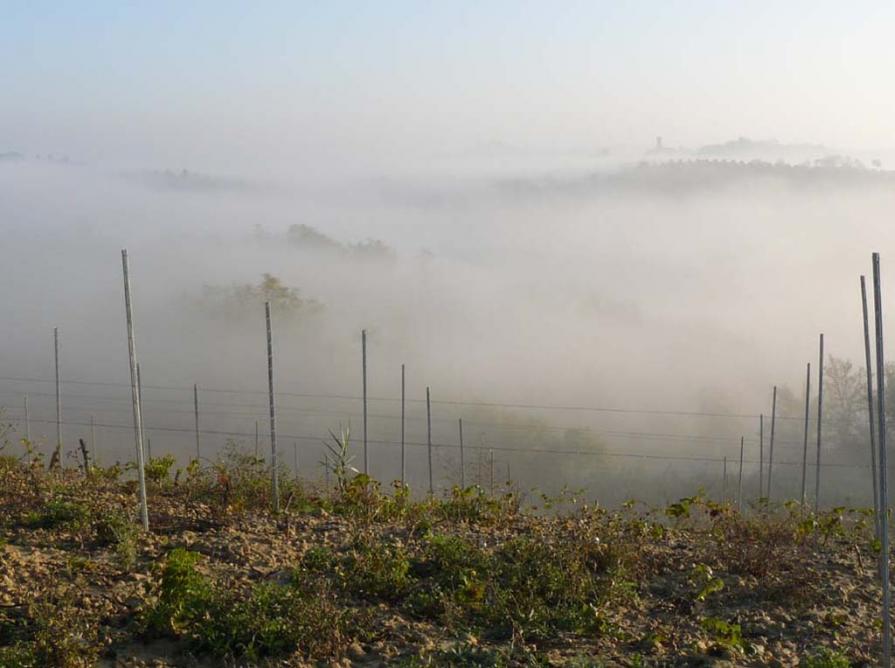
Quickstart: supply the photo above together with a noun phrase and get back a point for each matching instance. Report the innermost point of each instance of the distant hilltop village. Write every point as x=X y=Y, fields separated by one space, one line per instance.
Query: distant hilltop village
x=744 y=150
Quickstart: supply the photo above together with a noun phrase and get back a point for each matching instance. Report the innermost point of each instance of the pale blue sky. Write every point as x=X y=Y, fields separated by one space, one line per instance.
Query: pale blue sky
x=216 y=82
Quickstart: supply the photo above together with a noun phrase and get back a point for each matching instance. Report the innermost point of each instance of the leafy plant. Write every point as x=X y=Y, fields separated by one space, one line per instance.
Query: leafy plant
x=158 y=469
x=725 y=636
x=703 y=578
x=339 y=457
x=118 y=530
x=826 y=658
x=184 y=595
x=58 y=513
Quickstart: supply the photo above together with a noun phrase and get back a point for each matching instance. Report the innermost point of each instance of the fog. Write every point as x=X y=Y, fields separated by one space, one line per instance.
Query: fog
x=640 y=289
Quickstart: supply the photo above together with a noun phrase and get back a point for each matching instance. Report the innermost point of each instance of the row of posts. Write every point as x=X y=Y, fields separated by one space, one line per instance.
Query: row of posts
x=877 y=427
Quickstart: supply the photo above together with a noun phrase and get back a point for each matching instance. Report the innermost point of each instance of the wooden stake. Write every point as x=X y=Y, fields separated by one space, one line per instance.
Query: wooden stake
x=740 y=477
x=883 y=462
x=275 y=479
x=135 y=393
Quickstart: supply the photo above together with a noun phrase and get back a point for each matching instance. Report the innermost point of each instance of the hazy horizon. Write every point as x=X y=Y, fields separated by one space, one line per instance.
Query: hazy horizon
x=480 y=188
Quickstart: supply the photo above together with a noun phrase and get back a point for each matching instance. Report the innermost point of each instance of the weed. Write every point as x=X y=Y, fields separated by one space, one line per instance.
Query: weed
x=58 y=513
x=158 y=469
x=705 y=582
x=117 y=530
x=62 y=634
x=377 y=570
x=184 y=595
x=339 y=457
x=725 y=637
x=270 y=620
x=826 y=658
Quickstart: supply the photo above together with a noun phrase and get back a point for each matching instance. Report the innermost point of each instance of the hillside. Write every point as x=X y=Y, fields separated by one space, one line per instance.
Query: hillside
x=355 y=576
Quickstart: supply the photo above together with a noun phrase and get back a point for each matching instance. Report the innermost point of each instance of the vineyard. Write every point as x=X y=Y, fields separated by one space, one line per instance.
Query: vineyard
x=352 y=575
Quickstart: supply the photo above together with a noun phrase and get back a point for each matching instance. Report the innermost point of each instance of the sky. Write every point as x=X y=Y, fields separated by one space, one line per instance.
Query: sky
x=242 y=87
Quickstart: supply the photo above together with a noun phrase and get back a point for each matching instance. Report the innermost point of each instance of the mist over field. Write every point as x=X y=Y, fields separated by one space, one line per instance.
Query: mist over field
x=600 y=234
x=667 y=285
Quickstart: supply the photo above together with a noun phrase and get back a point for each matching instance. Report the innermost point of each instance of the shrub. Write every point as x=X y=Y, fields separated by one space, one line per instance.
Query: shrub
x=117 y=530
x=158 y=469
x=270 y=620
x=58 y=513
x=827 y=658
x=184 y=595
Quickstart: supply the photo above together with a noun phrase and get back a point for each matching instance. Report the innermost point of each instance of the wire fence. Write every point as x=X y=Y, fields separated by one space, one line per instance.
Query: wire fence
x=93 y=410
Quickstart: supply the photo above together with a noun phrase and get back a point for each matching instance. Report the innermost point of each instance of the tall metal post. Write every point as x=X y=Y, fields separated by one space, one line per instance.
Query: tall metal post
x=135 y=392
x=805 y=436
x=295 y=470
x=58 y=397
x=196 y=416
x=869 y=372
x=462 y=458
x=403 y=426
x=740 y=477
x=275 y=480
x=491 y=474
x=363 y=345
x=724 y=482
x=771 y=453
x=883 y=462
x=429 y=440
x=820 y=411
x=761 y=455
x=256 y=440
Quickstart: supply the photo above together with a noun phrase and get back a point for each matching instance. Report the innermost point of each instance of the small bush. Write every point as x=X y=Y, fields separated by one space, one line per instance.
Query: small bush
x=270 y=620
x=58 y=513
x=827 y=658
x=117 y=530
x=20 y=655
x=158 y=469
x=184 y=595
x=377 y=570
